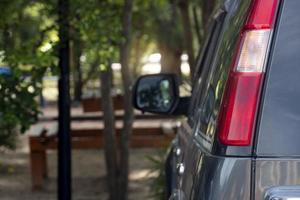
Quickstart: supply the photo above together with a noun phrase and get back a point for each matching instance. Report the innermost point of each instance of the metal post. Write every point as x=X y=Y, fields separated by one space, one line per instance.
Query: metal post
x=64 y=145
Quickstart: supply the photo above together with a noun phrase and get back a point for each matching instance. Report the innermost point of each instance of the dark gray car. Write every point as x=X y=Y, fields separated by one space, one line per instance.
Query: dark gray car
x=241 y=136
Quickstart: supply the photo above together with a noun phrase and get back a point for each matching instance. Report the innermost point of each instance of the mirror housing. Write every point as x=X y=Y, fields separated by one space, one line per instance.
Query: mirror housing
x=159 y=93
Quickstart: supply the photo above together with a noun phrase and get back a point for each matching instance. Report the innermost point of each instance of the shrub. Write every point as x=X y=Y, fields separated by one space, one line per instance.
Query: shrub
x=18 y=108
x=158 y=185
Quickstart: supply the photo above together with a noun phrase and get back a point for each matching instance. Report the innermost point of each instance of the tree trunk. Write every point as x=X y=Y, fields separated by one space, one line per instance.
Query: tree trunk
x=127 y=83
x=7 y=40
x=75 y=53
x=137 y=54
x=170 y=59
x=110 y=147
x=77 y=71
x=92 y=71
x=188 y=35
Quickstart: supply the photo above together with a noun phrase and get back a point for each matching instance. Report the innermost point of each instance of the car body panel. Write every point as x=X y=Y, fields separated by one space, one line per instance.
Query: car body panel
x=283 y=193
x=272 y=172
x=217 y=177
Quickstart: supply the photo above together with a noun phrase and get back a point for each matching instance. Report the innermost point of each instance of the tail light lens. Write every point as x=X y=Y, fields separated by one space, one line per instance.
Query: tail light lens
x=242 y=94
x=253 y=51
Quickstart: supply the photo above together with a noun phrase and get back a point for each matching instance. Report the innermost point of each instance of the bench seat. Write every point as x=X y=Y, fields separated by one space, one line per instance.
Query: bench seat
x=43 y=137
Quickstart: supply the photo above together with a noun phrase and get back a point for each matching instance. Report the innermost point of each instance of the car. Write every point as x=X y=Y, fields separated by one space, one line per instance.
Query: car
x=240 y=138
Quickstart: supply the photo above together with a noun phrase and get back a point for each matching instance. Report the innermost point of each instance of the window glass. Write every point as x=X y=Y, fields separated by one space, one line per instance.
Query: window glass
x=204 y=67
x=215 y=74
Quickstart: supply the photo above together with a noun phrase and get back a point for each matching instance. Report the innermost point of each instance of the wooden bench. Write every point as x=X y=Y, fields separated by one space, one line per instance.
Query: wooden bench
x=94 y=104
x=44 y=138
x=99 y=117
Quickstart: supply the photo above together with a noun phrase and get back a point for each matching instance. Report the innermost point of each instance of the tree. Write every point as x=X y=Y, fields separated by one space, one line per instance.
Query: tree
x=76 y=51
x=188 y=35
x=18 y=109
x=168 y=33
x=105 y=41
x=110 y=144
x=128 y=109
x=22 y=48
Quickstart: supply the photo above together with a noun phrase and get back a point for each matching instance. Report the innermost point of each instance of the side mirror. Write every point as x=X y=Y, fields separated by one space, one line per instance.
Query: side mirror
x=157 y=93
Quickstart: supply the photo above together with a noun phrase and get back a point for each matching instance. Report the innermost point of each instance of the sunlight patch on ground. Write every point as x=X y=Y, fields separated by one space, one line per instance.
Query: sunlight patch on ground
x=7 y=183
x=136 y=175
x=16 y=161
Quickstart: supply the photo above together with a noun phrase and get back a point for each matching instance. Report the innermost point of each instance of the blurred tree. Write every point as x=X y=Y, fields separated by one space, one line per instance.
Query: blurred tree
x=18 y=109
x=155 y=28
x=168 y=33
x=95 y=28
x=142 y=39
x=127 y=85
x=187 y=30
x=109 y=132
x=26 y=41
x=106 y=38
x=172 y=27
x=76 y=51
x=194 y=17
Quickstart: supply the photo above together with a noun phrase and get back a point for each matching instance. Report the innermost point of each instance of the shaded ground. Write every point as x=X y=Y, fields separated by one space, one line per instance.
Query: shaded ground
x=89 y=181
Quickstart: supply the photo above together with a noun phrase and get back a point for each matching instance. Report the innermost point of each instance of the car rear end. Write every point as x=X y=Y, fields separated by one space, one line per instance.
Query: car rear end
x=276 y=171
x=242 y=139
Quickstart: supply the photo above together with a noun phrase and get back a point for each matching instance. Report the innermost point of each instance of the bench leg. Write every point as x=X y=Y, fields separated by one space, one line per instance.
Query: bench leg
x=38 y=168
x=44 y=164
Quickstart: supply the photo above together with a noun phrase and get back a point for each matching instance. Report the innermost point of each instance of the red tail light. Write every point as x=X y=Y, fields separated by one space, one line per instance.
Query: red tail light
x=242 y=94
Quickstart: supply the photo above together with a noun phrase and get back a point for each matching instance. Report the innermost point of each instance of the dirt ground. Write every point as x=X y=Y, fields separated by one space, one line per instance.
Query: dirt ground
x=88 y=172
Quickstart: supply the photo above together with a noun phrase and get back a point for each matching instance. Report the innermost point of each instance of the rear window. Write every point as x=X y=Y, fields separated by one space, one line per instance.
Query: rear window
x=279 y=129
x=202 y=67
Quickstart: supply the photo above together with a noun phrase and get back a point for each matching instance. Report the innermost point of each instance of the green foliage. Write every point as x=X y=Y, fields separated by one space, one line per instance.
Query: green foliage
x=158 y=185
x=159 y=20
x=27 y=46
x=97 y=26
x=18 y=109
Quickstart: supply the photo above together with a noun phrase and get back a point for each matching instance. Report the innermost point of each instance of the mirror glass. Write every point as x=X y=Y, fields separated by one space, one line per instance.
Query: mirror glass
x=155 y=93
